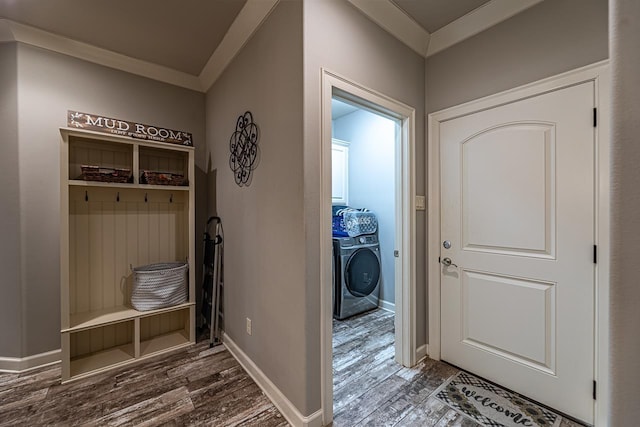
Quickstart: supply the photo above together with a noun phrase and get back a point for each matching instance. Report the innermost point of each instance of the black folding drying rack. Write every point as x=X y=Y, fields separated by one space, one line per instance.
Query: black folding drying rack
x=212 y=283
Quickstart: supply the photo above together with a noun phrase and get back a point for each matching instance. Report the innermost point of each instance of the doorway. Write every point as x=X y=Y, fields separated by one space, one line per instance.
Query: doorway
x=403 y=119
x=363 y=153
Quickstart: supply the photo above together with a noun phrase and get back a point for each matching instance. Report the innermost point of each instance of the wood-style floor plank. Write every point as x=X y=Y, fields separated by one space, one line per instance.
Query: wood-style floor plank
x=371 y=389
x=193 y=386
x=207 y=386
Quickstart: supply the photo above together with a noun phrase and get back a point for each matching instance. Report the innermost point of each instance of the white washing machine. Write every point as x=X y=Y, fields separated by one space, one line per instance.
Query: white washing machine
x=356 y=271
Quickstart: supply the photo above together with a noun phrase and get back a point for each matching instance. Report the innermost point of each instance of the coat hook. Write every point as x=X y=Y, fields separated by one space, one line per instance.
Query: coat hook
x=118 y=197
x=86 y=196
x=145 y=197
x=171 y=198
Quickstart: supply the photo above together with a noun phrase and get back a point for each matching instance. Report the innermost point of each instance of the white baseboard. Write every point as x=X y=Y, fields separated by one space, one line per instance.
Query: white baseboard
x=386 y=305
x=19 y=365
x=284 y=405
x=422 y=352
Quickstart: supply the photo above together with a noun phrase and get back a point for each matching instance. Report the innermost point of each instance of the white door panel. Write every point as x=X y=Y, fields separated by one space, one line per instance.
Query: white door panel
x=515 y=216
x=517 y=200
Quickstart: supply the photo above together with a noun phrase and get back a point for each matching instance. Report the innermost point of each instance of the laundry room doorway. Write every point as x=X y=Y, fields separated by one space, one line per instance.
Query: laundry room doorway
x=368 y=248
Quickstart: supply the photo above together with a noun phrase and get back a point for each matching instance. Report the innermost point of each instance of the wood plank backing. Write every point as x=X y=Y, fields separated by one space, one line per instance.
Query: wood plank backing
x=108 y=236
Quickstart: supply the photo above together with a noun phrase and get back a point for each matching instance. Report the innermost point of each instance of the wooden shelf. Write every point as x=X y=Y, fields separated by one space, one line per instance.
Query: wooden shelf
x=81 y=183
x=91 y=319
x=103 y=359
x=100 y=240
x=162 y=342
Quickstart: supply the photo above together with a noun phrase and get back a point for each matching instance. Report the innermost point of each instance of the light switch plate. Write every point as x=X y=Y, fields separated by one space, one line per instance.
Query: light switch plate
x=421 y=203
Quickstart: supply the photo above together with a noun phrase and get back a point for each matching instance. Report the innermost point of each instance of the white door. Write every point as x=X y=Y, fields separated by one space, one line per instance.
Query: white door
x=518 y=210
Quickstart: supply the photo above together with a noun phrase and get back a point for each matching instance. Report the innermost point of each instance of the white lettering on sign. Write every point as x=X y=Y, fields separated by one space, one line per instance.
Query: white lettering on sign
x=123 y=127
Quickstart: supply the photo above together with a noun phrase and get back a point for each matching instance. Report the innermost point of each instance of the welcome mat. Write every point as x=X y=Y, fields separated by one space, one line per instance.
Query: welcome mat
x=493 y=406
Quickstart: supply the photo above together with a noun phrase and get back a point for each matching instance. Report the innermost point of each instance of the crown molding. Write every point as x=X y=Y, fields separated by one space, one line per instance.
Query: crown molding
x=43 y=39
x=5 y=32
x=252 y=15
x=390 y=17
x=476 y=21
x=393 y=19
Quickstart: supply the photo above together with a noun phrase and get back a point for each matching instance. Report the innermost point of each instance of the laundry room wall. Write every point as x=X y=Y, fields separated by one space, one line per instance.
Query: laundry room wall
x=372 y=141
x=48 y=84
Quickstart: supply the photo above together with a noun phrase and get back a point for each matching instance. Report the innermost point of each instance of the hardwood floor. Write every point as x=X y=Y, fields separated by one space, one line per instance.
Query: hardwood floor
x=370 y=389
x=196 y=386
x=203 y=386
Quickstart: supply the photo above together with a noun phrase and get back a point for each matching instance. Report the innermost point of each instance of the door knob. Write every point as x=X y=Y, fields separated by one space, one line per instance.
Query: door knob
x=447 y=262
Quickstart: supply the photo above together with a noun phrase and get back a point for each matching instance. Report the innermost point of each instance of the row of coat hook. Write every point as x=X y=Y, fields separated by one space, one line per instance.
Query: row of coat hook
x=146 y=198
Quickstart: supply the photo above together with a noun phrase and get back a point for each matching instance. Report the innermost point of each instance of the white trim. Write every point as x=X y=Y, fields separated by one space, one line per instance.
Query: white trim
x=421 y=352
x=21 y=365
x=476 y=21
x=43 y=39
x=387 y=306
x=603 y=134
x=405 y=313
x=599 y=74
x=393 y=19
x=284 y=405
x=252 y=15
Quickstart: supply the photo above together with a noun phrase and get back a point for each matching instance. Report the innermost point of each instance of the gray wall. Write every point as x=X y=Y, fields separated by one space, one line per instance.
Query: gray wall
x=48 y=85
x=10 y=303
x=264 y=263
x=341 y=39
x=625 y=222
x=547 y=39
x=372 y=180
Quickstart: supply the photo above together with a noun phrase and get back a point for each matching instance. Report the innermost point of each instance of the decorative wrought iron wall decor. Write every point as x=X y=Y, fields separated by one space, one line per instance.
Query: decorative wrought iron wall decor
x=244 y=149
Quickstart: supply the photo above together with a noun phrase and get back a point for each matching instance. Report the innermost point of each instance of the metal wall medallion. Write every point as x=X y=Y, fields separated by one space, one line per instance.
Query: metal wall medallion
x=244 y=149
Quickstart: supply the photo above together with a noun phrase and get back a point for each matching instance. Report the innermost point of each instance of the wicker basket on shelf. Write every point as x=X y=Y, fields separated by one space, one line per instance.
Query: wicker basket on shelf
x=159 y=285
x=162 y=178
x=97 y=173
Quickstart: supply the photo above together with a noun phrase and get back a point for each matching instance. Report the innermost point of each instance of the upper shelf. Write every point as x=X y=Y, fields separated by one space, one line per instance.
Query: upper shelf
x=122 y=139
x=81 y=183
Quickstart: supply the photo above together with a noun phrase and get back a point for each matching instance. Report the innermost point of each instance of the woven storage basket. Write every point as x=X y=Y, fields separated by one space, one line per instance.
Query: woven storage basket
x=162 y=178
x=97 y=173
x=159 y=285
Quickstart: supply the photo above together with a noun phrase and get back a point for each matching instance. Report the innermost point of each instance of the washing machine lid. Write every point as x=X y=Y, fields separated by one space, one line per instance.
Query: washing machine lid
x=362 y=272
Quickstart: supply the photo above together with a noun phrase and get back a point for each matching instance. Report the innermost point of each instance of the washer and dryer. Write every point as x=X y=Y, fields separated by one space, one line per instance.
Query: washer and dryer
x=356 y=270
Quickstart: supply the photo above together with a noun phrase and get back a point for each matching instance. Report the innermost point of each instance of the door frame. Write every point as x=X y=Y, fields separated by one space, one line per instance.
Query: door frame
x=599 y=74
x=405 y=294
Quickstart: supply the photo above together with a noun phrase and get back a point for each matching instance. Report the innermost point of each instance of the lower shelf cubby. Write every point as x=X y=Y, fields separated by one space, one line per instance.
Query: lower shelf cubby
x=99 y=348
x=164 y=331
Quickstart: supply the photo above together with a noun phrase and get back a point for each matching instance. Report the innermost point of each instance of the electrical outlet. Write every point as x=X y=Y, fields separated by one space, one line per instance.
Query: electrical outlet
x=421 y=203
x=248 y=326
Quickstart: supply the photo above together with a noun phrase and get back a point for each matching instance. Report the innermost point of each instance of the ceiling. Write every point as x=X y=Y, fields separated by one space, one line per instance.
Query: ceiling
x=341 y=108
x=435 y=14
x=176 y=34
x=190 y=42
